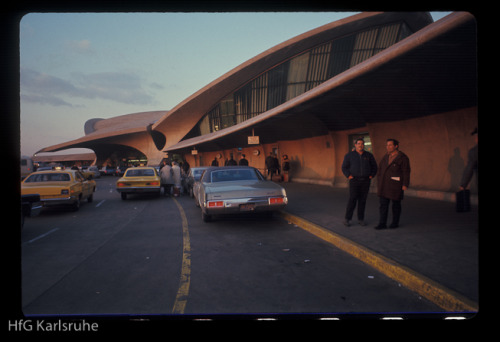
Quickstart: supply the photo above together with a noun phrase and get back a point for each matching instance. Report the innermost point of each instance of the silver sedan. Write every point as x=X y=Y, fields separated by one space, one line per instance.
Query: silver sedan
x=237 y=189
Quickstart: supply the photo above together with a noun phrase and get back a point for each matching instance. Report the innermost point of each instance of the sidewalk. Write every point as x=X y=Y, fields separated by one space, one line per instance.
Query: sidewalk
x=433 y=241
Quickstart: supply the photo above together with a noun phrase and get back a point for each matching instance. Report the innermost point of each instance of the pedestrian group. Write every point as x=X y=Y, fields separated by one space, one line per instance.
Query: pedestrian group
x=359 y=167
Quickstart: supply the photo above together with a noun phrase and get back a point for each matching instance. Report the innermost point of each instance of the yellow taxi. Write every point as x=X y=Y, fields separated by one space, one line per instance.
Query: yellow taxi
x=139 y=180
x=60 y=187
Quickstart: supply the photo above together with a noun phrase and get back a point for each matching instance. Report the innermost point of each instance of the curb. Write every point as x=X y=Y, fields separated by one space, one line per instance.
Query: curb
x=445 y=298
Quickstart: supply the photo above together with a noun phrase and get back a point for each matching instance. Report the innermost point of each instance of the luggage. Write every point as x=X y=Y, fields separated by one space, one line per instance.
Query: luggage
x=463 y=201
x=177 y=191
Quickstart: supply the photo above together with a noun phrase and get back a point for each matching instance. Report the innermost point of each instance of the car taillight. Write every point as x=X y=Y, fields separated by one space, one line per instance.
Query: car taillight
x=120 y=184
x=276 y=200
x=153 y=183
x=215 y=204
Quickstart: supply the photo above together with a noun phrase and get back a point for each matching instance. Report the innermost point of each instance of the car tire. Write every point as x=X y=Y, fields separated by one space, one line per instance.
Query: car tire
x=90 y=198
x=76 y=205
x=124 y=196
x=206 y=217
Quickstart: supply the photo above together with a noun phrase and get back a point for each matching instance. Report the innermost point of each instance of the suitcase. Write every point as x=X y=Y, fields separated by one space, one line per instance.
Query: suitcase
x=177 y=191
x=463 y=201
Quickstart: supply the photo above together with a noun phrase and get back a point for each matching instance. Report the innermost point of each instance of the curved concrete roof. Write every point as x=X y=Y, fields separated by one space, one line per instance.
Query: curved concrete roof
x=106 y=128
x=369 y=91
x=427 y=69
x=187 y=113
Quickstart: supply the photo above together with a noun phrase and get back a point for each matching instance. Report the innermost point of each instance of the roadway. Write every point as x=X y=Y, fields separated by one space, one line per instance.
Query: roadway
x=151 y=255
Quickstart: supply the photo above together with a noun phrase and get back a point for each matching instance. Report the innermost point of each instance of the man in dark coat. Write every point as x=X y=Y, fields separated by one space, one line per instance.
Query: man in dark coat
x=359 y=166
x=393 y=180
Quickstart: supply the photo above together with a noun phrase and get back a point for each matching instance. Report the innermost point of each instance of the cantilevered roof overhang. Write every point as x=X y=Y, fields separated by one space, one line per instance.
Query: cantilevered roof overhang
x=181 y=119
x=432 y=71
x=106 y=131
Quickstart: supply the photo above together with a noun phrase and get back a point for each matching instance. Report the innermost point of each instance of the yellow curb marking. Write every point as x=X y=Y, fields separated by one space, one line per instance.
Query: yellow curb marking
x=183 y=291
x=436 y=293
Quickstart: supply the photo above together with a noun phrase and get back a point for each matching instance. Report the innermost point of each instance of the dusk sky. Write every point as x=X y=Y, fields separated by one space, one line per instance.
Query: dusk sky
x=79 y=66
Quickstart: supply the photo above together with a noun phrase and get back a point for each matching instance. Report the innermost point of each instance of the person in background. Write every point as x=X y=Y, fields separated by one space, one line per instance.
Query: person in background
x=286 y=168
x=176 y=172
x=243 y=160
x=166 y=178
x=472 y=164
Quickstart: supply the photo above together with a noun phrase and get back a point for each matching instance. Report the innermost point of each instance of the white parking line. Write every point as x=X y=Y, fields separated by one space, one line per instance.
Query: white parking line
x=43 y=235
x=99 y=204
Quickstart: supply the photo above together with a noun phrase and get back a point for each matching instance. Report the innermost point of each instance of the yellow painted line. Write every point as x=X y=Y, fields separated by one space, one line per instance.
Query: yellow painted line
x=183 y=291
x=436 y=293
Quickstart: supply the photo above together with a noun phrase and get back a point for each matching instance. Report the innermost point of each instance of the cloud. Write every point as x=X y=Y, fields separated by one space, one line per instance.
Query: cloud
x=120 y=87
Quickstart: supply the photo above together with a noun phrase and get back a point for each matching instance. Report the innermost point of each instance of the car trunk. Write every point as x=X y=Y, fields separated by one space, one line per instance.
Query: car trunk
x=241 y=189
x=47 y=190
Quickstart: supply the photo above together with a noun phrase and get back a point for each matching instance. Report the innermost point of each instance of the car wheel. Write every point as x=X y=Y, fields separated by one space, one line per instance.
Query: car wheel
x=206 y=217
x=90 y=198
x=124 y=195
x=76 y=205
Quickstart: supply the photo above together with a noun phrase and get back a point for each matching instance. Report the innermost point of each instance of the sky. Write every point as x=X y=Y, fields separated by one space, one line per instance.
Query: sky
x=79 y=66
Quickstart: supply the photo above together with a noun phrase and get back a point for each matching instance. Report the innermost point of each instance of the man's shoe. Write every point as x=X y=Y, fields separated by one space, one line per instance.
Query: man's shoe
x=347 y=223
x=393 y=225
x=362 y=223
x=381 y=226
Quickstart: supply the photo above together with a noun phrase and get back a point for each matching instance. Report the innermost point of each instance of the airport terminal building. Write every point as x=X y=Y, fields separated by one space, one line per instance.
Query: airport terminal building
x=373 y=75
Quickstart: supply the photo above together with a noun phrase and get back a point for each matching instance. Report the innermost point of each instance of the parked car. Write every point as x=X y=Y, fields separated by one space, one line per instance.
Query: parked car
x=139 y=180
x=237 y=189
x=193 y=176
x=107 y=171
x=27 y=166
x=30 y=206
x=95 y=171
x=60 y=187
x=120 y=170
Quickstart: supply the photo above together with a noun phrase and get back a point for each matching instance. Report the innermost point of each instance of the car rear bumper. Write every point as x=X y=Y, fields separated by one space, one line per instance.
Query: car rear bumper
x=138 y=189
x=243 y=205
x=50 y=202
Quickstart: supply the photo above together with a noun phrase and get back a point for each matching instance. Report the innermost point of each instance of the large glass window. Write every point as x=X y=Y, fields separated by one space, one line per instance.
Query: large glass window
x=298 y=75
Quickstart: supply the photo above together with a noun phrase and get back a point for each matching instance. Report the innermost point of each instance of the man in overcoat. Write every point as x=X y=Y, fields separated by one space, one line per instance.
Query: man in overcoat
x=393 y=180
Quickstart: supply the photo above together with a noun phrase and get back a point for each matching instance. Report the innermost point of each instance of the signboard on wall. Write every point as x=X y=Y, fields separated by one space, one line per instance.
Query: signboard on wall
x=253 y=140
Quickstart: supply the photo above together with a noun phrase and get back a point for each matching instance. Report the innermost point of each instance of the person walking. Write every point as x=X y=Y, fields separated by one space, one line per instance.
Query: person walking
x=176 y=174
x=393 y=180
x=166 y=178
x=359 y=166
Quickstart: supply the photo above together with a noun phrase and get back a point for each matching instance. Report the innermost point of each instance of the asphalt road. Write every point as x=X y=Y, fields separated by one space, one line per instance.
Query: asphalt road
x=151 y=255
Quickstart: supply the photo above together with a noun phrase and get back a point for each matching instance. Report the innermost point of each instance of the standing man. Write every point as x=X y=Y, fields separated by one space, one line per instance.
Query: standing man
x=393 y=180
x=472 y=164
x=243 y=161
x=359 y=166
x=272 y=165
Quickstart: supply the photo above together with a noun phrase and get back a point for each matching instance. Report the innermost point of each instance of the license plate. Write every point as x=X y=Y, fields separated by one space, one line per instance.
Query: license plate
x=247 y=207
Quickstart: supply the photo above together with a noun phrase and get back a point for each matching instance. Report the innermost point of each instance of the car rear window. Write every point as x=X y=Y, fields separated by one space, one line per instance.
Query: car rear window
x=233 y=175
x=140 y=173
x=48 y=177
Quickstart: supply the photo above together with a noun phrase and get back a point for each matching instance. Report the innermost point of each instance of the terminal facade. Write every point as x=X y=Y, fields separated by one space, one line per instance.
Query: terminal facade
x=372 y=75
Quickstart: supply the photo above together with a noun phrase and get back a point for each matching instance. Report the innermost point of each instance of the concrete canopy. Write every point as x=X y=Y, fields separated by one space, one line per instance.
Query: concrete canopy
x=432 y=71
x=124 y=136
